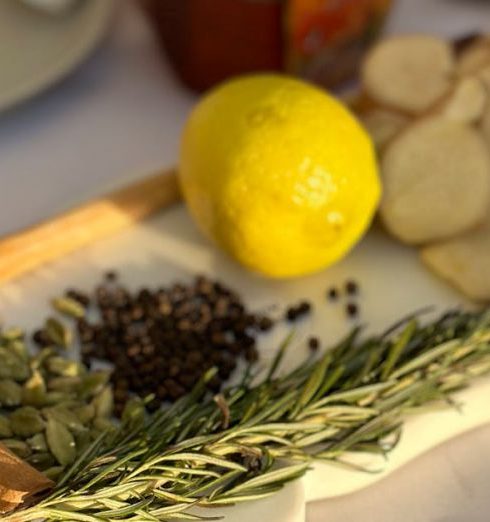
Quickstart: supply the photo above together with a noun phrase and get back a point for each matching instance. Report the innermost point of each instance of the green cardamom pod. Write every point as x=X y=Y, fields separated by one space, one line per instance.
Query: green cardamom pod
x=38 y=442
x=69 y=307
x=58 y=333
x=103 y=424
x=34 y=392
x=12 y=366
x=19 y=447
x=40 y=358
x=10 y=393
x=93 y=383
x=104 y=403
x=56 y=397
x=64 y=384
x=85 y=413
x=19 y=348
x=5 y=428
x=64 y=416
x=11 y=334
x=61 y=442
x=84 y=439
x=63 y=367
x=54 y=472
x=26 y=422
x=42 y=460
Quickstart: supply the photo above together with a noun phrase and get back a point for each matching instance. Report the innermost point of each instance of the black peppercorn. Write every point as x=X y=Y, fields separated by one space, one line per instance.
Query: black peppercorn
x=252 y=355
x=265 y=324
x=352 y=310
x=351 y=287
x=299 y=311
x=111 y=275
x=313 y=344
x=41 y=338
x=78 y=296
x=291 y=314
x=304 y=308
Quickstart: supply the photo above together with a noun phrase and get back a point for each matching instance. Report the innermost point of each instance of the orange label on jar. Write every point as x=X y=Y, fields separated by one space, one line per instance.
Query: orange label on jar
x=324 y=37
x=209 y=41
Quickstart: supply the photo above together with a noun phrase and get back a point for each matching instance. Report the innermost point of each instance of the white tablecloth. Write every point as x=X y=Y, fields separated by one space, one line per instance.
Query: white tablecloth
x=117 y=118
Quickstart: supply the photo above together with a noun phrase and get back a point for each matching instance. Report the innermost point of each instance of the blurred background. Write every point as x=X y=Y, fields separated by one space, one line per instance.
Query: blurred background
x=89 y=99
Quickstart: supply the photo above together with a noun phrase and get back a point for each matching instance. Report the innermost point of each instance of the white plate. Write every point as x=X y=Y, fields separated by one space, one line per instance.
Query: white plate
x=38 y=49
x=393 y=283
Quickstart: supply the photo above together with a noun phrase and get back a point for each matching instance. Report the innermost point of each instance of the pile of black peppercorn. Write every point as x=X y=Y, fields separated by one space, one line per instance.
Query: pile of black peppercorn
x=162 y=341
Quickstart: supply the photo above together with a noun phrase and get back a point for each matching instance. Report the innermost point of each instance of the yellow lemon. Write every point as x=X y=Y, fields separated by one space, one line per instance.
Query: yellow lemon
x=279 y=174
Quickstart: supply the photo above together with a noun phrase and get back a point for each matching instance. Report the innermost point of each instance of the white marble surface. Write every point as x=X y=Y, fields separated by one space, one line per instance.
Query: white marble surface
x=118 y=117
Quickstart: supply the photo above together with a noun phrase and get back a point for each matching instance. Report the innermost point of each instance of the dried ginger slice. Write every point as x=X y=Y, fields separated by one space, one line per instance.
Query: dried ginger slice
x=475 y=57
x=383 y=124
x=485 y=124
x=436 y=177
x=409 y=73
x=464 y=261
x=467 y=101
x=484 y=76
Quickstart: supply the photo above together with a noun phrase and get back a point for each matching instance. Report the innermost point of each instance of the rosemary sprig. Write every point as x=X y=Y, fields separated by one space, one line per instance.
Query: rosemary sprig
x=251 y=440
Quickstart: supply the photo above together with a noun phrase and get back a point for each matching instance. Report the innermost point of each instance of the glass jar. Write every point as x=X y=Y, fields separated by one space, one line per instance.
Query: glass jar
x=209 y=41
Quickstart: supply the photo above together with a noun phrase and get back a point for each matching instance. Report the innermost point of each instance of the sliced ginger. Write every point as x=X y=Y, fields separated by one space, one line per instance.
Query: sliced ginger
x=383 y=125
x=467 y=101
x=485 y=124
x=430 y=119
x=436 y=178
x=474 y=58
x=409 y=73
x=484 y=76
x=464 y=261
